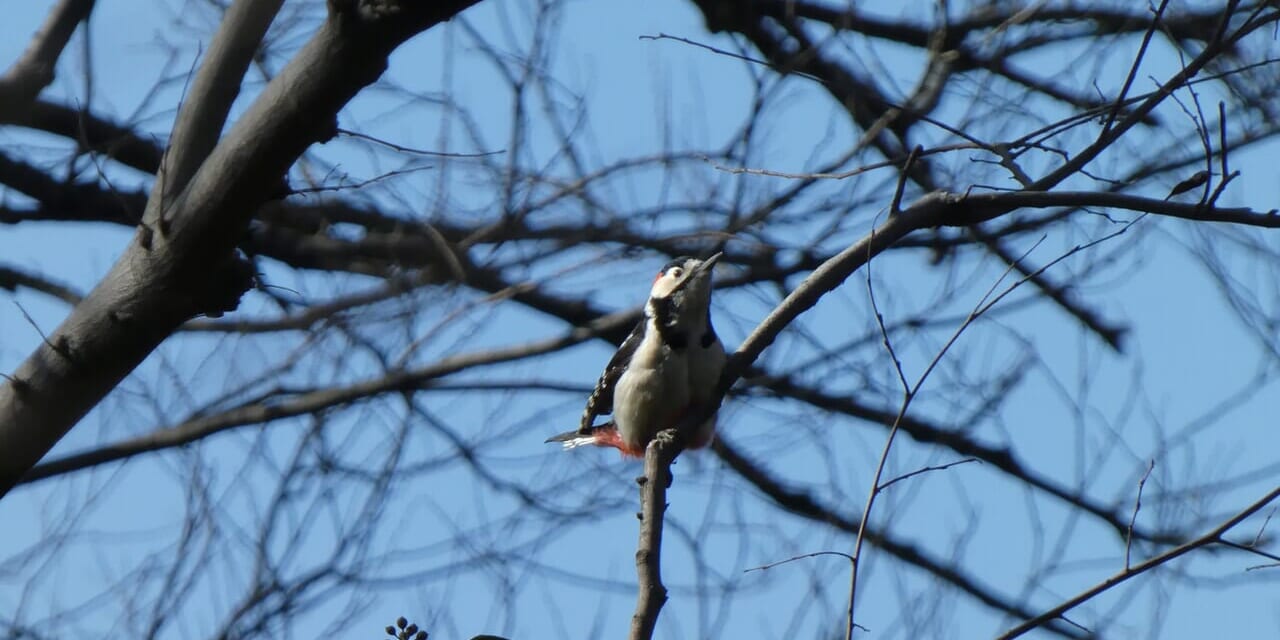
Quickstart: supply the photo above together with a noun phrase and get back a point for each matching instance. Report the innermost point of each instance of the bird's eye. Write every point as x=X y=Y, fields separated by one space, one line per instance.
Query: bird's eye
x=676 y=272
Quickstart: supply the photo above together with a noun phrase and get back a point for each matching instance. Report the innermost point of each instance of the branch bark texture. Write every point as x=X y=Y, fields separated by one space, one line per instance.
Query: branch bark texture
x=652 y=594
x=186 y=264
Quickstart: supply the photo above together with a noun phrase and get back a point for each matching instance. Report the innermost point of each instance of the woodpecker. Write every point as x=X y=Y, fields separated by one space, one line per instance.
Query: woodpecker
x=668 y=365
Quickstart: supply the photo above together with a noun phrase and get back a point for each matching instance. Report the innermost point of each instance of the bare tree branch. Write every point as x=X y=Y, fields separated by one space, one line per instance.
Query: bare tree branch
x=31 y=73
x=165 y=278
x=205 y=107
x=1214 y=536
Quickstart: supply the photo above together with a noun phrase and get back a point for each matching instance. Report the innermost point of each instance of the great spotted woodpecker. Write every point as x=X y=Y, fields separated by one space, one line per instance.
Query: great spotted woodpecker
x=668 y=366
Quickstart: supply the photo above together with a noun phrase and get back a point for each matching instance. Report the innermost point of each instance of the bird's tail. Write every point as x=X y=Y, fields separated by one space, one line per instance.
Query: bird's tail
x=603 y=435
x=575 y=438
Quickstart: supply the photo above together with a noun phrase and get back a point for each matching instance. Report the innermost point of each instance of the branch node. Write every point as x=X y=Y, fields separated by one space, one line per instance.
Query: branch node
x=144 y=236
x=20 y=387
x=221 y=289
x=62 y=346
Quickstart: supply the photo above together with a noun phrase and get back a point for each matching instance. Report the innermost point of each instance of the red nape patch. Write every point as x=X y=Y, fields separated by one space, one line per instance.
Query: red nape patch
x=609 y=437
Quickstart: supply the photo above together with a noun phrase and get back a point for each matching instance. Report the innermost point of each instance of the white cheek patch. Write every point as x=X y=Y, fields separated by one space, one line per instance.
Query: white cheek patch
x=663 y=286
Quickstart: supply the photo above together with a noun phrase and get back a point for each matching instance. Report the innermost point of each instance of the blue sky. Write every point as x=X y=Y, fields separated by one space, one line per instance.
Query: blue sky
x=1087 y=415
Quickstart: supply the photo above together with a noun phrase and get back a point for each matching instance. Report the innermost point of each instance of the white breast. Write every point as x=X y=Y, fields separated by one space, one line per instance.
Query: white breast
x=651 y=394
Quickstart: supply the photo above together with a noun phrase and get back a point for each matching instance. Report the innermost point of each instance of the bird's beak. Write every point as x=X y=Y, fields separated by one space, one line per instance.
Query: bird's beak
x=709 y=263
x=697 y=272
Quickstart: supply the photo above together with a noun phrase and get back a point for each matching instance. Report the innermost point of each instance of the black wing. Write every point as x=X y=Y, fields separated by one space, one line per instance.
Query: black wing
x=601 y=400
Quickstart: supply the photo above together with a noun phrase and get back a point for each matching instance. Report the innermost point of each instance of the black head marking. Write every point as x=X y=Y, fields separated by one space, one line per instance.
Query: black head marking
x=675 y=262
x=665 y=320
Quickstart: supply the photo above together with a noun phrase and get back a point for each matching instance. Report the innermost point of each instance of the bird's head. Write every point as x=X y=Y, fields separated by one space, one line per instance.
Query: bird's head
x=685 y=278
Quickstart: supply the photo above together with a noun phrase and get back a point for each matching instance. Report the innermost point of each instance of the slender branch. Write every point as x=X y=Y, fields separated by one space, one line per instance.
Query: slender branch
x=1137 y=62
x=908 y=394
x=35 y=69
x=157 y=285
x=11 y=279
x=303 y=403
x=804 y=505
x=850 y=625
x=1214 y=536
x=215 y=88
x=652 y=594
x=421 y=152
x=922 y=470
x=1111 y=333
x=896 y=205
x=1186 y=211
x=1133 y=518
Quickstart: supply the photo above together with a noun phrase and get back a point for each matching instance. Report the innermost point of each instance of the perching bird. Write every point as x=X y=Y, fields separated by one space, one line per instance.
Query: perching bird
x=668 y=366
x=1197 y=179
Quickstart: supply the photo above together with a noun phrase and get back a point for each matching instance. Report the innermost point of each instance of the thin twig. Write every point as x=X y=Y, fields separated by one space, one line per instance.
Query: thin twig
x=1214 y=536
x=908 y=393
x=1137 y=504
x=983 y=306
x=1249 y=548
x=422 y=152
x=815 y=554
x=362 y=183
x=31 y=321
x=1227 y=174
x=884 y=331
x=1258 y=538
x=1222 y=137
x=940 y=467
x=1133 y=69
x=896 y=207
x=853 y=565
x=738 y=56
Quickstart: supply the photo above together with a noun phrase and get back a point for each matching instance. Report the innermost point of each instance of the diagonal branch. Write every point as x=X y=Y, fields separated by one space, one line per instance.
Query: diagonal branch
x=1212 y=537
x=804 y=505
x=216 y=86
x=280 y=406
x=167 y=277
x=35 y=69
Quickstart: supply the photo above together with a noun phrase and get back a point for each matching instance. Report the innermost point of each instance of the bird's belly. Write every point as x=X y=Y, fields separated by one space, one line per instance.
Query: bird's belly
x=648 y=400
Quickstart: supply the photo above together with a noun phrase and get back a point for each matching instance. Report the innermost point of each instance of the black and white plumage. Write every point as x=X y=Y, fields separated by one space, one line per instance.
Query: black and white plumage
x=668 y=365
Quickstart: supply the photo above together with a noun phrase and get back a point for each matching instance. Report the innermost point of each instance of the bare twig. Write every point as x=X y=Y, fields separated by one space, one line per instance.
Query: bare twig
x=311 y=401
x=1257 y=539
x=908 y=394
x=738 y=56
x=896 y=206
x=1137 y=504
x=1227 y=174
x=848 y=635
x=421 y=152
x=360 y=184
x=1213 y=536
x=13 y=279
x=939 y=467
x=1133 y=68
